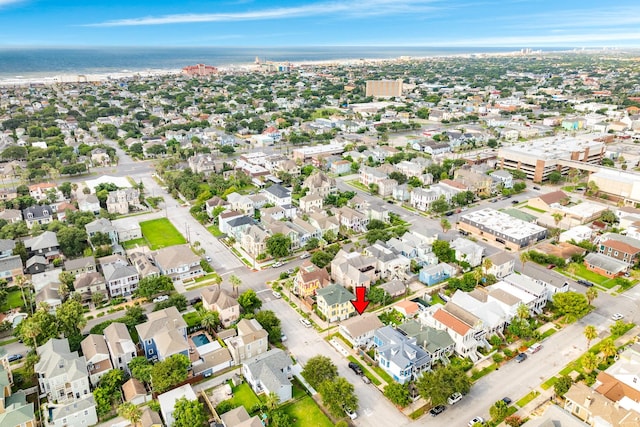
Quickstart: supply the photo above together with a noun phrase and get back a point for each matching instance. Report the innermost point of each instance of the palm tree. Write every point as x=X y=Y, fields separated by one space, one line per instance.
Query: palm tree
x=487 y=264
x=524 y=258
x=21 y=281
x=445 y=224
x=31 y=329
x=130 y=412
x=235 y=282
x=272 y=401
x=608 y=348
x=590 y=333
x=589 y=362
x=523 y=311
x=591 y=294
x=210 y=320
x=557 y=217
x=477 y=274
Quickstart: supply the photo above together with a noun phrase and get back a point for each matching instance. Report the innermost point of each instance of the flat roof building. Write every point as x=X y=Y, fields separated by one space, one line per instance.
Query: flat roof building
x=384 y=88
x=541 y=157
x=511 y=232
x=621 y=185
x=307 y=152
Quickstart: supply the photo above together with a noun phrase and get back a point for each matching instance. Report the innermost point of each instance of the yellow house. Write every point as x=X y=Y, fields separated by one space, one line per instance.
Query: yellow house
x=334 y=302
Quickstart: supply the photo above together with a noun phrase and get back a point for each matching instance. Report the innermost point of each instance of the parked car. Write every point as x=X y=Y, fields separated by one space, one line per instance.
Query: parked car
x=355 y=368
x=276 y=294
x=521 y=357
x=365 y=379
x=437 y=410
x=535 y=348
x=535 y=187
x=14 y=357
x=551 y=266
x=514 y=202
x=305 y=255
x=585 y=283
x=208 y=258
x=283 y=337
x=305 y=322
x=350 y=412
x=277 y=264
x=476 y=420
x=161 y=298
x=454 y=398
x=290 y=271
x=617 y=316
x=507 y=400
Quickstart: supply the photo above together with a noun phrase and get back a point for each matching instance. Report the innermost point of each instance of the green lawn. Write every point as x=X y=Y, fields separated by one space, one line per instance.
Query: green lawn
x=244 y=396
x=305 y=413
x=213 y=229
x=534 y=209
x=581 y=271
x=193 y=319
x=160 y=233
x=528 y=398
x=130 y=244
x=14 y=300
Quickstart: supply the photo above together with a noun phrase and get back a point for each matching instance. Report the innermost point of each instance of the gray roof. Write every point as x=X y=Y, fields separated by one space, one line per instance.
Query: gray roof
x=401 y=350
x=9 y=263
x=269 y=369
x=431 y=339
x=278 y=191
x=239 y=221
x=38 y=211
x=117 y=271
x=604 y=262
x=38 y=259
x=75 y=264
x=56 y=359
x=46 y=240
x=7 y=245
x=101 y=225
x=361 y=325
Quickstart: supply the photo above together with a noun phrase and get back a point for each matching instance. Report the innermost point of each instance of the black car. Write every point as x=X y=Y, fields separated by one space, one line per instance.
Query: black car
x=14 y=357
x=355 y=368
x=585 y=283
x=515 y=202
x=507 y=400
x=437 y=410
x=536 y=187
x=521 y=357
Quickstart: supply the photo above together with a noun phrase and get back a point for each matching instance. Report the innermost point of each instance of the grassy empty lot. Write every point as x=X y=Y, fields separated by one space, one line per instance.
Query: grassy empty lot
x=306 y=413
x=581 y=271
x=160 y=233
x=14 y=300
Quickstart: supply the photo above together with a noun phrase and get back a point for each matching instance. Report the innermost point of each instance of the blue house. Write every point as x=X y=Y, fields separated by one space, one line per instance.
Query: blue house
x=399 y=355
x=164 y=334
x=436 y=273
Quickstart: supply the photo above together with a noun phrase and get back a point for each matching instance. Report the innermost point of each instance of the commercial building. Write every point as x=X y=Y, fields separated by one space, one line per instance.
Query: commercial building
x=384 y=88
x=618 y=185
x=306 y=153
x=502 y=228
x=541 y=157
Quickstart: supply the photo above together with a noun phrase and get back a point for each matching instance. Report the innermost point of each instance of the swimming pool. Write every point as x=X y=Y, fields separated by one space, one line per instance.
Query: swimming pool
x=200 y=340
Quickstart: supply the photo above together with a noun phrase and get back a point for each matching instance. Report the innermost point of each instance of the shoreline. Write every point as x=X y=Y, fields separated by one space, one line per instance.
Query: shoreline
x=50 y=78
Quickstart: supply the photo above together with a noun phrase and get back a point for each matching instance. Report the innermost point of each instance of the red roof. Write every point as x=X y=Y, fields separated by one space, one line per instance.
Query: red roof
x=451 y=322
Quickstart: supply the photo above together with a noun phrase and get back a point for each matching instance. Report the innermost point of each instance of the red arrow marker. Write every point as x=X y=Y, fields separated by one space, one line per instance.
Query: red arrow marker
x=360 y=303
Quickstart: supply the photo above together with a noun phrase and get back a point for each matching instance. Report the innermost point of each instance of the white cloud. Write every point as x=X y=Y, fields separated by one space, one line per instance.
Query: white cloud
x=8 y=2
x=355 y=8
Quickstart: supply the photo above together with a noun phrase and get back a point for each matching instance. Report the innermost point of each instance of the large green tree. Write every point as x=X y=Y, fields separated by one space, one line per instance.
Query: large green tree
x=398 y=394
x=188 y=413
x=571 y=304
x=318 y=370
x=439 y=384
x=278 y=245
x=151 y=286
x=271 y=324
x=249 y=301
x=169 y=372
x=338 y=394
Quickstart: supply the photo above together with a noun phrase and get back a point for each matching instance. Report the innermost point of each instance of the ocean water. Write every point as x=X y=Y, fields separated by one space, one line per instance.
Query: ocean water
x=39 y=62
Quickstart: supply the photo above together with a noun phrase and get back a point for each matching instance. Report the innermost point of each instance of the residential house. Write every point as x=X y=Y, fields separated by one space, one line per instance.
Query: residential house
x=104 y=226
x=466 y=330
x=10 y=268
x=529 y=285
x=351 y=269
x=334 y=303
x=467 y=251
x=623 y=248
x=408 y=309
x=309 y=279
x=11 y=215
x=478 y=183
x=435 y=148
x=15 y=411
x=42 y=191
x=422 y=198
x=37 y=214
x=324 y=223
x=278 y=195
x=212 y=362
x=150 y=418
x=433 y=274
x=62 y=374
x=90 y=203
x=236 y=226
x=79 y=413
x=369 y=175
x=399 y=355
x=6 y=247
x=340 y=167
x=168 y=400
x=89 y=284
x=96 y=353
x=134 y=391
x=251 y=341
x=121 y=278
x=239 y=417
x=36 y=264
x=178 y=262
x=216 y=299
x=389 y=263
x=321 y=184
x=352 y=219
x=46 y=245
x=394 y=288
x=121 y=347
x=242 y=203
x=311 y=202
x=504 y=177
x=546 y=201
x=436 y=342
x=359 y=330
x=205 y=163
x=270 y=373
x=144 y=263
x=595 y=409
x=213 y=204
x=123 y=200
x=163 y=334
x=410 y=169
x=254 y=241
x=605 y=265
x=80 y=265
x=502 y=264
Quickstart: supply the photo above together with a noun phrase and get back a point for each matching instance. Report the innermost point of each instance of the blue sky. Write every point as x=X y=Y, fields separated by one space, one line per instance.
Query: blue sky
x=466 y=23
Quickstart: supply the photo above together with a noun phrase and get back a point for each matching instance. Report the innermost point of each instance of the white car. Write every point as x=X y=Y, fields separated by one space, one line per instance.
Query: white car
x=476 y=420
x=305 y=322
x=617 y=316
x=161 y=298
x=454 y=398
x=276 y=294
x=352 y=414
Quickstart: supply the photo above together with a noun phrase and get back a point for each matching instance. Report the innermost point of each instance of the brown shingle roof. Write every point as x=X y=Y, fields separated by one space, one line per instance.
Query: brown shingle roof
x=553 y=197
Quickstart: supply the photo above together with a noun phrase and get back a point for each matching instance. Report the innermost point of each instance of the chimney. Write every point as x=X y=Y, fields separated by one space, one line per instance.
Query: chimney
x=587 y=401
